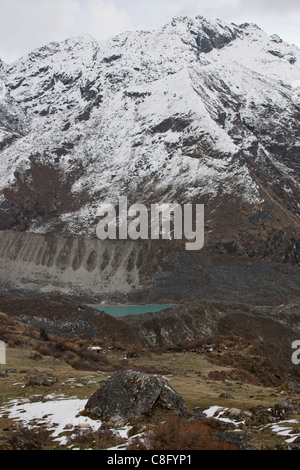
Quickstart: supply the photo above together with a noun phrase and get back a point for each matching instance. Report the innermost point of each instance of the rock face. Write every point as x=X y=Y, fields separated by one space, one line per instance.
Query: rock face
x=196 y=111
x=34 y=261
x=130 y=394
x=125 y=270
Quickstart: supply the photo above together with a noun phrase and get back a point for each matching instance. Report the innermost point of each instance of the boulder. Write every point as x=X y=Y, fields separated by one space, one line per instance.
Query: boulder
x=37 y=379
x=83 y=426
x=226 y=395
x=282 y=408
x=294 y=387
x=259 y=416
x=131 y=394
x=35 y=398
x=233 y=413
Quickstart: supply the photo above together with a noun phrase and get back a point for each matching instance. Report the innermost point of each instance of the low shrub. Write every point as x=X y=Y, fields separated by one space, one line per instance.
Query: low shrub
x=89 y=439
x=78 y=357
x=28 y=439
x=180 y=434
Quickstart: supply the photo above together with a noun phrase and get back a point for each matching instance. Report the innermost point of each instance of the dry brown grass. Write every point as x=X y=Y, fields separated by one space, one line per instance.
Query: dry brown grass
x=103 y=438
x=27 y=439
x=180 y=434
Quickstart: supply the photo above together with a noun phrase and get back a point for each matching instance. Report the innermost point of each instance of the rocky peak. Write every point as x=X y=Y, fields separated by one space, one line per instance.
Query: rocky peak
x=201 y=34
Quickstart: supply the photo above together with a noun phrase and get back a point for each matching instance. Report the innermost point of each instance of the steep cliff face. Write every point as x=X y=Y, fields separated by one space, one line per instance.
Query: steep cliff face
x=123 y=271
x=45 y=263
x=194 y=112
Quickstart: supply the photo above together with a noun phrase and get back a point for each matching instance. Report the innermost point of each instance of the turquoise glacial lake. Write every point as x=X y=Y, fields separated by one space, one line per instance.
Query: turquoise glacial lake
x=124 y=310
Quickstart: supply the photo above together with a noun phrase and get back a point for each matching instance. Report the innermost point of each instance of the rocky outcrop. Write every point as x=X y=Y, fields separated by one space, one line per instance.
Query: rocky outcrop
x=130 y=394
x=36 y=379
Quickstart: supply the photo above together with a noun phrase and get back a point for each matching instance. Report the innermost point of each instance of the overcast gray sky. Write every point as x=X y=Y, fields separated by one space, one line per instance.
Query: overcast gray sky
x=28 y=24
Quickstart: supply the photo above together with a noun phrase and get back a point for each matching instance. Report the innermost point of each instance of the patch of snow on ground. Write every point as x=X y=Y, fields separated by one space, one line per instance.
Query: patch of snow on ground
x=56 y=413
x=285 y=430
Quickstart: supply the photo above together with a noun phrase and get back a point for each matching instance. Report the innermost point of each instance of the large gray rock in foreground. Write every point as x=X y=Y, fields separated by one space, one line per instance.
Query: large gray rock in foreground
x=131 y=394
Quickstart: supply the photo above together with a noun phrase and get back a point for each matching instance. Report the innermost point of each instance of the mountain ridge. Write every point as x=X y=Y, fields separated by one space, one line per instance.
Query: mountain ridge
x=196 y=111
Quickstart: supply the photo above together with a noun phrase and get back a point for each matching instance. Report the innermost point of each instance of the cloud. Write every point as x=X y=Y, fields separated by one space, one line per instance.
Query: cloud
x=104 y=19
x=272 y=7
x=28 y=24
x=274 y=16
x=234 y=8
x=148 y=14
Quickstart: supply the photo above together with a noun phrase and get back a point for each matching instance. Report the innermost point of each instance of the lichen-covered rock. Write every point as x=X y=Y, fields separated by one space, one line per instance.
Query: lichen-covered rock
x=131 y=394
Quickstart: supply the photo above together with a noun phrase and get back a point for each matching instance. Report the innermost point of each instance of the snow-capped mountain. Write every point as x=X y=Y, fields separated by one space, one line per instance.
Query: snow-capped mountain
x=193 y=112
